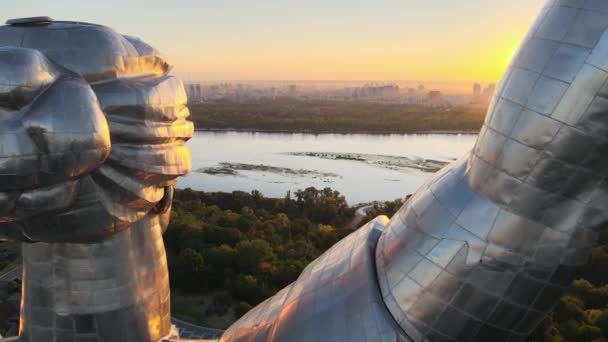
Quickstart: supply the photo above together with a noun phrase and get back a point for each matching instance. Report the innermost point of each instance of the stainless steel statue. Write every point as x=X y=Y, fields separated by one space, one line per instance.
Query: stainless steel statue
x=483 y=250
x=92 y=132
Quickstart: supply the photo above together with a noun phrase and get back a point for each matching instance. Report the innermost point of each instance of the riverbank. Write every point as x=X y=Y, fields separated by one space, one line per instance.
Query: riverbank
x=334 y=116
x=303 y=131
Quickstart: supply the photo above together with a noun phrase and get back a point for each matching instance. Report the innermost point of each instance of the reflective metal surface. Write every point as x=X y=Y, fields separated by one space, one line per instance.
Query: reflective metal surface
x=92 y=132
x=484 y=249
x=336 y=298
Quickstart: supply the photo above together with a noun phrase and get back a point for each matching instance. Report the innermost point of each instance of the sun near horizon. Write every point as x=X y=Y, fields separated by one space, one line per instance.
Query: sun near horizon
x=317 y=40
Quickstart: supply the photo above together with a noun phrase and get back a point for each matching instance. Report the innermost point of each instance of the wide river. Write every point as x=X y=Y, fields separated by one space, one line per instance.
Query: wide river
x=363 y=167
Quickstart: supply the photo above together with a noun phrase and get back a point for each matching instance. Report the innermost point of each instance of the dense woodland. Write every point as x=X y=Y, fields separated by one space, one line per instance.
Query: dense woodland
x=335 y=116
x=242 y=247
x=236 y=249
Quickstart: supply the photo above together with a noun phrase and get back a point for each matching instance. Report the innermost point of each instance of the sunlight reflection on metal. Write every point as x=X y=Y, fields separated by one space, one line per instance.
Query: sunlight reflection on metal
x=92 y=137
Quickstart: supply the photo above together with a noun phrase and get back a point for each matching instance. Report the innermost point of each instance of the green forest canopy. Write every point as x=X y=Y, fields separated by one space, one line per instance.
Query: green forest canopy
x=337 y=116
x=243 y=247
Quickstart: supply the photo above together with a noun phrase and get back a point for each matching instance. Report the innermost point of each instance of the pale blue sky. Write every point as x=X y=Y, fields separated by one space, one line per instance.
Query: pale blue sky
x=313 y=39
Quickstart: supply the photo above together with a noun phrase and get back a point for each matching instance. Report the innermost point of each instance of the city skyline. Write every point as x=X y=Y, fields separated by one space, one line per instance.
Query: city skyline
x=316 y=40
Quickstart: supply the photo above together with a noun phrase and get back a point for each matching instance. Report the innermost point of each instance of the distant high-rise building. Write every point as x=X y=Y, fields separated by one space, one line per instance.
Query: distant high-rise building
x=435 y=98
x=489 y=91
x=293 y=90
x=199 y=94
x=192 y=90
x=389 y=91
x=481 y=98
x=476 y=89
x=194 y=93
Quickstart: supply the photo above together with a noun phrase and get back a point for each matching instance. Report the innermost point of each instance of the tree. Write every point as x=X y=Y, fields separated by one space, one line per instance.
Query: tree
x=251 y=253
x=188 y=272
x=223 y=235
x=242 y=308
x=245 y=244
x=287 y=271
x=220 y=257
x=246 y=288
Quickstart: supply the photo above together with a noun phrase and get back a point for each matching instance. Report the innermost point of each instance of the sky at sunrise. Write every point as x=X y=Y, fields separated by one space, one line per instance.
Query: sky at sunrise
x=314 y=39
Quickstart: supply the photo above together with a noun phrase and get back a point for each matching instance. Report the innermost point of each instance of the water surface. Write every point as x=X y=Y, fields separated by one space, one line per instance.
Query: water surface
x=363 y=167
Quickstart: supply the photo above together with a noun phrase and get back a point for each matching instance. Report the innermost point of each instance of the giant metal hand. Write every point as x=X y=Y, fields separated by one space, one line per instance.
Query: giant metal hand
x=92 y=132
x=484 y=249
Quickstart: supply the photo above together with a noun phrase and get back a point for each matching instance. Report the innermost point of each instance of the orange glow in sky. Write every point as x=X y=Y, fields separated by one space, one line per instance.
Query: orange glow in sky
x=316 y=39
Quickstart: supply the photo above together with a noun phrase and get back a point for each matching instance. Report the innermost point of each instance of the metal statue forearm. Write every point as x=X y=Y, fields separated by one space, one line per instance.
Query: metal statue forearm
x=92 y=133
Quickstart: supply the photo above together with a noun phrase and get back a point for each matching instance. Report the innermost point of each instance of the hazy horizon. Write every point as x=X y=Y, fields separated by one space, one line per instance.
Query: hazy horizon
x=448 y=87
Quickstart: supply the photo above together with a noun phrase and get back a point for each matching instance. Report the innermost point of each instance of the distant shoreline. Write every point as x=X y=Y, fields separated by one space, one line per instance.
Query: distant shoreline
x=338 y=117
x=304 y=131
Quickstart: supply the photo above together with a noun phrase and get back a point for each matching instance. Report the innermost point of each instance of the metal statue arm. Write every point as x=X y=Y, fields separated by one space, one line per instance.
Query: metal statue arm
x=484 y=249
